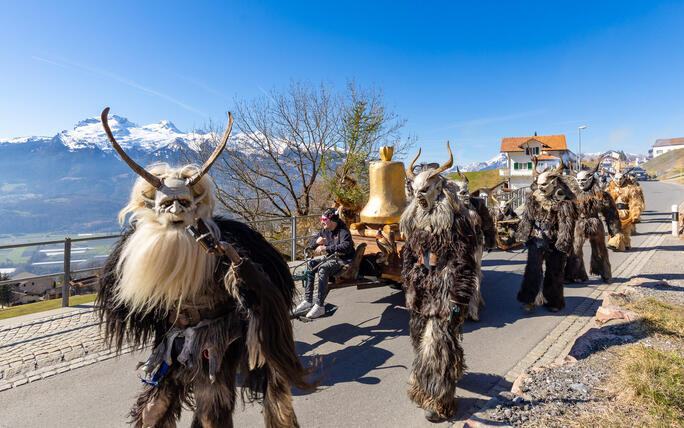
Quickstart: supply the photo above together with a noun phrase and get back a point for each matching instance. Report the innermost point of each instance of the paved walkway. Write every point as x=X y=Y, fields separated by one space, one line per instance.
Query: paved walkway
x=40 y=345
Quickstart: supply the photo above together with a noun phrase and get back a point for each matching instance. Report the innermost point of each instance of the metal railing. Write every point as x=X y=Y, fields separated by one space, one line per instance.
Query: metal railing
x=67 y=241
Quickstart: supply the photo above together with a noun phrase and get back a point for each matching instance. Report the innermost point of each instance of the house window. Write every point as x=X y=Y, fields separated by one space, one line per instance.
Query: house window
x=529 y=165
x=515 y=165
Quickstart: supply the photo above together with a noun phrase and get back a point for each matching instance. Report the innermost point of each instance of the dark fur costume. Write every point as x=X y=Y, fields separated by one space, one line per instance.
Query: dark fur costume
x=547 y=227
x=590 y=203
x=506 y=226
x=240 y=326
x=484 y=226
x=440 y=275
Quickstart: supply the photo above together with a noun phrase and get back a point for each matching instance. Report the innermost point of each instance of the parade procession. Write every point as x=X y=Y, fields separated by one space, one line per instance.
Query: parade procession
x=216 y=299
x=341 y=214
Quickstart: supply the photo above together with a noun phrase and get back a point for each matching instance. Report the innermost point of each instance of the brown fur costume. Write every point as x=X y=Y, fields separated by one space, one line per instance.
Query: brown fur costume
x=590 y=203
x=546 y=226
x=209 y=314
x=629 y=207
x=241 y=323
x=440 y=274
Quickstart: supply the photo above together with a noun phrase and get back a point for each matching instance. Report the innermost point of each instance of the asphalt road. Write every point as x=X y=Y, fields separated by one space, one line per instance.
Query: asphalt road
x=364 y=342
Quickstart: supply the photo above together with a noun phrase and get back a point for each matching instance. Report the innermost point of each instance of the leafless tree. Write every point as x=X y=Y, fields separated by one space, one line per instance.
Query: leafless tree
x=285 y=142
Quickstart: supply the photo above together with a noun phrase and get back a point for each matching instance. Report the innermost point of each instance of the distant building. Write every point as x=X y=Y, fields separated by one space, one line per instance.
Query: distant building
x=666 y=145
x=519 y=152
x=31 y=290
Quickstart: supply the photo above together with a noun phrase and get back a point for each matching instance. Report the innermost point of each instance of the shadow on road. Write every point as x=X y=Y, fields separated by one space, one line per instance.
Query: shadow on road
x=353 y=363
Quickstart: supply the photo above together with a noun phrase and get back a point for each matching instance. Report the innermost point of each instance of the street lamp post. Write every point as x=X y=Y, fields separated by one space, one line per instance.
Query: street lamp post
x=579 y=140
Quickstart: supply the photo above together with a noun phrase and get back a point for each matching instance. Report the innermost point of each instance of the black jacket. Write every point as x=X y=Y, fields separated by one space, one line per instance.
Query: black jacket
x=336 y=241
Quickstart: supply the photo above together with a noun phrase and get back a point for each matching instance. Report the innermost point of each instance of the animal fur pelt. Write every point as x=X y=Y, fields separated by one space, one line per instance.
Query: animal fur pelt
x=546 y=226
x=590 y=203
x=236 y=321
x=486 y=238
x=629 y=207
x=440 y=275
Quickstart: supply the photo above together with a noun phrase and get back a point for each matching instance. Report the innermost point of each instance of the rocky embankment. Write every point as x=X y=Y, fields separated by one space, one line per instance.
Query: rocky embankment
x=570 y=393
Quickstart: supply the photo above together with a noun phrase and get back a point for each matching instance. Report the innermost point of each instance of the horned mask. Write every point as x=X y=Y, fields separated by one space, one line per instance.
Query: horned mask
x=427 y=185
x=547 y=181
x=463 y=188
x=621 y=178
x=177 y=193
x=585 y=179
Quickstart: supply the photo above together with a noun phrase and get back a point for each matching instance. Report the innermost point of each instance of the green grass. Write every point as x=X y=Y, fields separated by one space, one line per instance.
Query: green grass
x=661 y=318
x=32 y=308
x=666 y=165
x=656 y=378
x=478 y=179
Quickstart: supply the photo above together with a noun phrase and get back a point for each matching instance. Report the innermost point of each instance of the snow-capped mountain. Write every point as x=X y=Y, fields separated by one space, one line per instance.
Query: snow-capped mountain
x=498 y=161
x=74 y=181
x=631 y=157
x=89 y=134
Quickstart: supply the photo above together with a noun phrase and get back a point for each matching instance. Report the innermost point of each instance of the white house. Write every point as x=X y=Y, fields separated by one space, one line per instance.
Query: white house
x=666 y=145
x=519 y=152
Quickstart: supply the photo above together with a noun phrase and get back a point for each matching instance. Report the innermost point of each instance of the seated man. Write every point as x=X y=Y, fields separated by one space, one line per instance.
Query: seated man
x=334 y=237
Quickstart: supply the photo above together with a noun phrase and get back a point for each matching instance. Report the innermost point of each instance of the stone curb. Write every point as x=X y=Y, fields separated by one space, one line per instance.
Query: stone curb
x=557 y=344
x=45 y=372
x=72 y=313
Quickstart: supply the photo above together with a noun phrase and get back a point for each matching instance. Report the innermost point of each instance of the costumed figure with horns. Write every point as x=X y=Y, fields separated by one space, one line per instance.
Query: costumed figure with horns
x=546 y=226
x=440 y=275
x=503 y=215
x=212 y=303
x=639 y=196
x=592 y=201
x=629 y=206
x=484 y=230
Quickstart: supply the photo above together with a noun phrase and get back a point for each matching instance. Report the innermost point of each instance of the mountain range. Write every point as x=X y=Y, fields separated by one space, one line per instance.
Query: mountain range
x=74 y=182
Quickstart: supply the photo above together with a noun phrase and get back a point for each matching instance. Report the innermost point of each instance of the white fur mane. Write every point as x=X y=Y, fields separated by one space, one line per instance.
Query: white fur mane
x=161 y=266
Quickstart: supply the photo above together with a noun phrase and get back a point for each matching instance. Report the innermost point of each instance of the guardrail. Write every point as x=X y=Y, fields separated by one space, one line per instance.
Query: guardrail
x=67 y=241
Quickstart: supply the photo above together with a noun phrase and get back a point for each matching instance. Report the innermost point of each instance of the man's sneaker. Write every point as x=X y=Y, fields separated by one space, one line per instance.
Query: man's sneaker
x=316 y=311
x=302 y=308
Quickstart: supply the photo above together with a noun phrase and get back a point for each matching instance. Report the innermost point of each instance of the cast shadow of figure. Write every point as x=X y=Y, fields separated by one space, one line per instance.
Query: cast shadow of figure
x=500 y=289
x=353 y=363
x=478 y=383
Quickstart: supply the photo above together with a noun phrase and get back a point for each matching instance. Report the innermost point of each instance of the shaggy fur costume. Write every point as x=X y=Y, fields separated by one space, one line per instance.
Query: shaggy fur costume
x=486 y=238
x=440 y=275
x=629 y=206
x=547 y=227
x=590 y=203
x=506 y=226
x=236 y=321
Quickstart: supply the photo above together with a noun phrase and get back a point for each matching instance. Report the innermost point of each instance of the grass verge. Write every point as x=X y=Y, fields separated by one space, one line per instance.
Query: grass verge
x=32 y=308
x=646 y=388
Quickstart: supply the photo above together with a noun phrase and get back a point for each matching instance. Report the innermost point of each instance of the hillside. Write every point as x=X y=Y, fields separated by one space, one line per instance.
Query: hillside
x=667 y=165
x=478 y=179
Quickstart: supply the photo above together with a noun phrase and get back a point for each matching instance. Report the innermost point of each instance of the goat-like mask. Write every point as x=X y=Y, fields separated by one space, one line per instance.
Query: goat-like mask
x=463 y=187
x=428 y=184
x=175 y=199
x=585 y=179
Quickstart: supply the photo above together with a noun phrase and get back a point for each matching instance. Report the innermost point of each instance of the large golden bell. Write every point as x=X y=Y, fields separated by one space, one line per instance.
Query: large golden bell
x=387 y=198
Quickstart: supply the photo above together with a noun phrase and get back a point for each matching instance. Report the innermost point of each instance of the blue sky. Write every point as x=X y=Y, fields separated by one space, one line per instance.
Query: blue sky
x=468 y=73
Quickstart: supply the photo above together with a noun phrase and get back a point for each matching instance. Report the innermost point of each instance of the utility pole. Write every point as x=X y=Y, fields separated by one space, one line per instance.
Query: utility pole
x=579 y=141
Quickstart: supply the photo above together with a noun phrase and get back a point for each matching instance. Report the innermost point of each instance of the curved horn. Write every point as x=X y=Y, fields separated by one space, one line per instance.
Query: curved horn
x=217 y=152
x=561 y=165
x=460 y=174
x=409 y=170
x=448 y=164
x=153 y=180
x=598 y=164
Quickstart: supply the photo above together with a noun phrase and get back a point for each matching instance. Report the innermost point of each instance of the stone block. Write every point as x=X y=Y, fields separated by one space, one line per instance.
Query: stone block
x=610 y=312
x=517 y=384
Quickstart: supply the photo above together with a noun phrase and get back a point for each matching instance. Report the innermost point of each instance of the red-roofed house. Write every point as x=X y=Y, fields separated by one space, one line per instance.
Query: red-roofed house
x=666 y=145
x=520 y=151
